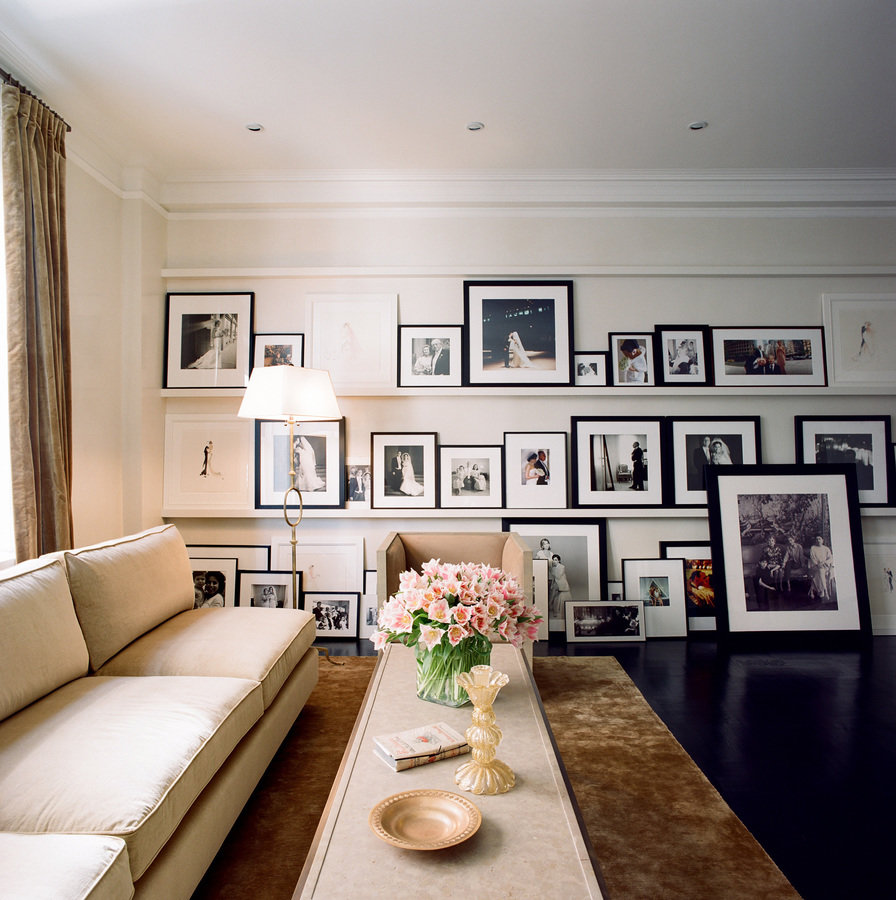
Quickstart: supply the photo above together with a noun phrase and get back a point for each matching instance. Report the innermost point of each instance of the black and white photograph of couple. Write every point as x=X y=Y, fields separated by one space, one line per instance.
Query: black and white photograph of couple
x=309 y=458
x=432 y=356
x=518 y=334
x=358 y=487
x=269 y=596
x=403 y=471
x=208 y=341
x=711 y=450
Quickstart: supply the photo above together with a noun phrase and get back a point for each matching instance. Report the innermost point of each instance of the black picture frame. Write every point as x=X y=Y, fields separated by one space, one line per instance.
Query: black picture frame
x=735 y=352
x=631 y=361
x=863 y=441
x=540 y=313
x=683 y=355
x=699 y=583
x=819 y=596
x=346 y=603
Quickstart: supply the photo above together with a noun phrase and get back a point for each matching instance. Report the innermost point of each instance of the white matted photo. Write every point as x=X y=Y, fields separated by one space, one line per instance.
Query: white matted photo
x=607 y=620
x=208 y=463
x=270 y=590
x=335 y=612
x=769 y=356
x=535 y=469
x=880 y=567
x=353 y=338
x=591 y=368
x=336 y=565
x=214 y=581
x=471 y=476
x=659 y=585
x=861 y=331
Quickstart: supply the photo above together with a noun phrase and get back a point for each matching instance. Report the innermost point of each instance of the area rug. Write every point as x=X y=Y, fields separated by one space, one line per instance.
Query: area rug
x=660 y=830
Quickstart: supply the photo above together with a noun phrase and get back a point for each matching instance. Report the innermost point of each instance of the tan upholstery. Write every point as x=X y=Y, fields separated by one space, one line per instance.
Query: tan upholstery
x=84 y=867
x=124 y=588
x=41 y=645
x=86 y=758
x=242 y=642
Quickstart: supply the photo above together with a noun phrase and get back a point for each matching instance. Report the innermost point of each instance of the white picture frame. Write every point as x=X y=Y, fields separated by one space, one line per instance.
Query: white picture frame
x=598 y=621
x=659 y=585
x=430 y=355
x=541 y=596
x=880 y=570
x=471 y=476
x=861 y=330
x=279 y=349
x=523 y=492
x=336 y=565
x=248 y=556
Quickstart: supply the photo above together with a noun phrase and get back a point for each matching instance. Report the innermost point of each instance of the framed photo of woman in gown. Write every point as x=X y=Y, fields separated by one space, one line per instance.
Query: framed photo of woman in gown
x=318 y=455
x=518 y=333
x=403 y=470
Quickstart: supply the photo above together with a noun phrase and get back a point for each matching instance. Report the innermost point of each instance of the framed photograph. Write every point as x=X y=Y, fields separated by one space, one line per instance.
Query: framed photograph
x=208 y=340
x=518 y=333
x=631 y=359
x=335 y=612
x=787 y=553
x=683 y=355
x=208 y=461
x=861 y=332
x=608 y=620
x=336 y=565
x=700 y=441
x=699 y=594
x=214 y=581
x=367 y=615
x=429 y=355
x=357 y=483
x=880 y=567
x=861 y=441
x=762 y=357
x=541 y=595
x=272 y=590
x=248 y=556
x=591 y=367
x=353 y=338
x=617 y=461
x=614 y=591
x=318 y=454
x=279 y=350
x=403 y=470
x=659 y=585
x=471 y=476
x=535 y=469
x=577 y=553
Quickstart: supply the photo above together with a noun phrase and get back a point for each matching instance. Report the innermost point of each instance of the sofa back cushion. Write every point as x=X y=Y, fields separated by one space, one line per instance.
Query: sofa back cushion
x=41 y=645
x=124 y=588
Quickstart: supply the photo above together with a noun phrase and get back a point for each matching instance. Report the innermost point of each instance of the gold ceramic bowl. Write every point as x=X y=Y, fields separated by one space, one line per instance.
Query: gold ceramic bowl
x=424 y=820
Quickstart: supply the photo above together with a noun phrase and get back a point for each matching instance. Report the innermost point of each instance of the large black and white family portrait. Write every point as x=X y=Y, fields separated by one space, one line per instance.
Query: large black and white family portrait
x=403 y=471
x=619 y=462
x=209 y=341
x=788 y=562
x=518 y=334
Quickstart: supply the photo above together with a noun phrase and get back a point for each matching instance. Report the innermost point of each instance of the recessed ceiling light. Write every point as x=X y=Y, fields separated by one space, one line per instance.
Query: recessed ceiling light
x=255 y=126
x=698 y=126
x=475 y=126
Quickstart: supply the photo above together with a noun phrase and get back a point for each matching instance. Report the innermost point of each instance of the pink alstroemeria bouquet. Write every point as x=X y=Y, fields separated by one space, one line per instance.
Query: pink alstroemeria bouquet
x=450 y=613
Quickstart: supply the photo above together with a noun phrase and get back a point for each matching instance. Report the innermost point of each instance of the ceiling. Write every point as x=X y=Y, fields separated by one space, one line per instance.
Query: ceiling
x=168 y=86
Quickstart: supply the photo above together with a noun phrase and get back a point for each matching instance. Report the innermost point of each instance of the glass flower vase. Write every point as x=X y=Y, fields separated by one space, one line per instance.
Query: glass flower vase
x=437 y=669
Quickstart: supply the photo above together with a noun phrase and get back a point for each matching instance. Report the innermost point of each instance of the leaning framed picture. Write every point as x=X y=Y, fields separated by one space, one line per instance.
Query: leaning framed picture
x=353 y=338
x=248 y=556
x=591 y=367
x=318 y=458
x=699 y=593
x=214 y=581
x=700 y=441
x=208 y=460
x=471 y=477
x=659 y=585
x=631 y=359
x=208 y=340
x=683 y=355
x=518 y=333
x=604 y=620
x=862 y=441
x=787 y=553
x=861 y=332
x=279 y=350
x=335 y=612
x=880 y=567
x=403 y=470
x=768 y=356
x=270 y=590
x=576 y=551
x=617 y=461
x=334 y=565
x=535 y=469
x=429 y=355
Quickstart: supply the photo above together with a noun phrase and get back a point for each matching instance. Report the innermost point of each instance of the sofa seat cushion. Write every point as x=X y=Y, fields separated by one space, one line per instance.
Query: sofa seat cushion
x=264 y=645
x=120 y=756
x=73 y=866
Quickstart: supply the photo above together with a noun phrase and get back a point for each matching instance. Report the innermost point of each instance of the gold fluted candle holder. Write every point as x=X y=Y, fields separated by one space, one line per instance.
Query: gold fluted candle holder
x=483 y=774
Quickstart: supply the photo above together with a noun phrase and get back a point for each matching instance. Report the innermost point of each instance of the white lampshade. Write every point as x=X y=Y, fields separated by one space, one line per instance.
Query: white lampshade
x=290 y=392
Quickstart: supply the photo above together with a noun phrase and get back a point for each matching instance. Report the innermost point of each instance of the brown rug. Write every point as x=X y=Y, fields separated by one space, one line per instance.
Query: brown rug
x=659 y=828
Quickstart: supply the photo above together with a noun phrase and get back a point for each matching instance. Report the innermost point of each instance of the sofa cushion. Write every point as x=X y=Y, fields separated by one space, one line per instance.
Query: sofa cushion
x=242 y=642
x=73 y=866
x=41 y=645
x=120 y=756
x=126 y=587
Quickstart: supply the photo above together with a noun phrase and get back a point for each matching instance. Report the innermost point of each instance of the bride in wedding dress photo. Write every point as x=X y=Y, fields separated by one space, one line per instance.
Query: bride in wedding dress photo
x=307 y=478
x=518 y=358
x=409 y=483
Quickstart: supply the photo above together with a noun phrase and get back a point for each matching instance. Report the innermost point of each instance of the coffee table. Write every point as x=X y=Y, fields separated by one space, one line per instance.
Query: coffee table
x=531 y=842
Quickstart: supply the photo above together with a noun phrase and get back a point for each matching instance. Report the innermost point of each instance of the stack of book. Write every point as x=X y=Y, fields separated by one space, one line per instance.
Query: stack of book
x=419 y=746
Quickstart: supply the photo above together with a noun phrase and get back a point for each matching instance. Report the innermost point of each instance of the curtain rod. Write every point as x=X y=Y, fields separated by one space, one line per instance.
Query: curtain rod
x=10 y=79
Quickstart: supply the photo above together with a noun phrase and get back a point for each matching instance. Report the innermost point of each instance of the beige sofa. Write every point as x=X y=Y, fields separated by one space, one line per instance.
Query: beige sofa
x=133 y=728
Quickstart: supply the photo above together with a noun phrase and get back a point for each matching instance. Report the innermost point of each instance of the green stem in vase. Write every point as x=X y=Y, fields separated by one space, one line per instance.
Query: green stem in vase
x=437 y=669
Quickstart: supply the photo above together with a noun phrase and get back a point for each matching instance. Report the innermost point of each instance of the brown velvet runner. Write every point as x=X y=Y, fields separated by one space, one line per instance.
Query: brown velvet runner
x=659 y=828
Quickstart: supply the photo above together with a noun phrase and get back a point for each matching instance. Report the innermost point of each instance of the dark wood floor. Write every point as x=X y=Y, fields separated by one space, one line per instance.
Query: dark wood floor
x=801 y=744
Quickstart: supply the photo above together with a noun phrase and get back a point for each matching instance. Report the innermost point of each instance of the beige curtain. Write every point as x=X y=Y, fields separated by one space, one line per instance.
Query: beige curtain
x=38 y=323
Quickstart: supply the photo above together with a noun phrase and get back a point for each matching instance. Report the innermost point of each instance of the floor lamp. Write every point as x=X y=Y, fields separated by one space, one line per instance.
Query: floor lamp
x=292 y=394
